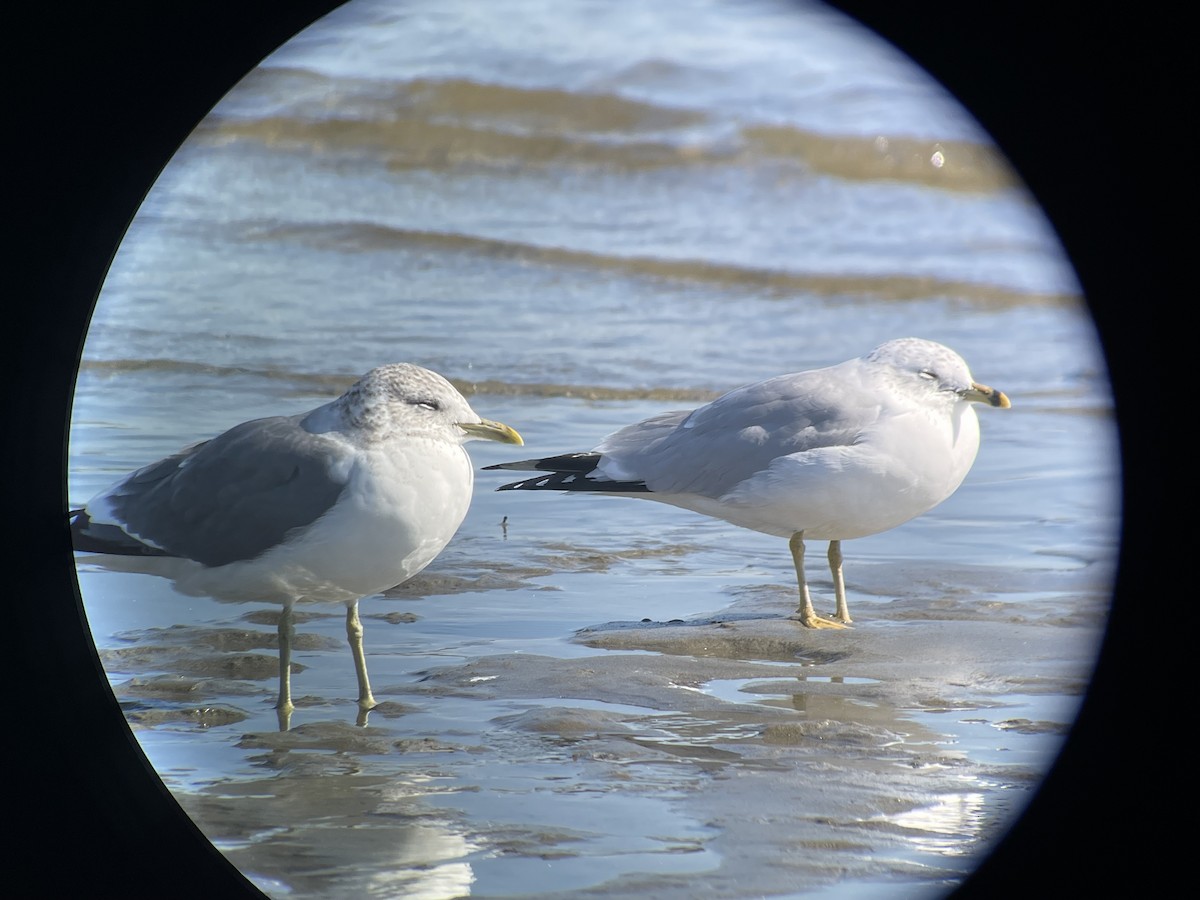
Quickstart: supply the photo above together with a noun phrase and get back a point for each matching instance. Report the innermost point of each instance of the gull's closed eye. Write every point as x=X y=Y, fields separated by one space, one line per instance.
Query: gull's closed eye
x=425 y=403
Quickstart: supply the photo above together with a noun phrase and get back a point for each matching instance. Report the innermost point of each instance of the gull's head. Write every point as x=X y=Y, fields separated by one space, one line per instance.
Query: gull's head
x=936 y=369
x=402 y=399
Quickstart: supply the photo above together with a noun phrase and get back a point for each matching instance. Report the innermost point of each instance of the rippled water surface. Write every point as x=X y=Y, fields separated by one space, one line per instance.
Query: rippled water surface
x=584 y=218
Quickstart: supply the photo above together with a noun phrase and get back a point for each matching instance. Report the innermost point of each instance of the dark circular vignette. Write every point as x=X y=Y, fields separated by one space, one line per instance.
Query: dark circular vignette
x=107 y=93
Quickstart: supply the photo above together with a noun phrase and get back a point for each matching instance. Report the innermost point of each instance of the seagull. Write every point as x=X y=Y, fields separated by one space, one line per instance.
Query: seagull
x=828 y=454
x=331 y=505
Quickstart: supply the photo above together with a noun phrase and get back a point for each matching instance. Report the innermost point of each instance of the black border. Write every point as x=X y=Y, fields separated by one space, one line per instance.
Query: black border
x=104 y=94
x=1081 y=101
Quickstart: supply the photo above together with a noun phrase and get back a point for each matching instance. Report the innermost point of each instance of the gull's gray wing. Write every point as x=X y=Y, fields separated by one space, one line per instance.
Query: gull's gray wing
x=716 y=447
x=226 y=499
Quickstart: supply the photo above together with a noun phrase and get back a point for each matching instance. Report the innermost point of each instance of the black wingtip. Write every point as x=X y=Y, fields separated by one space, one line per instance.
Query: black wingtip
x=575 y=482
x=90 y=537
x=520 y=465
x=577 y=463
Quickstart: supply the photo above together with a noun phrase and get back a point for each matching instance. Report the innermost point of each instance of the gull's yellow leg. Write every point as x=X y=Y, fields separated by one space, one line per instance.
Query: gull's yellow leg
x=805 y=611
x=354 y=633
x=839 y=583
x=286 y=631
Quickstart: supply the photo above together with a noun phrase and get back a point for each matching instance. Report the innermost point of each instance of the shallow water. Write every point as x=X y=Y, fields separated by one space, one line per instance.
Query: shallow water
x=583 y=220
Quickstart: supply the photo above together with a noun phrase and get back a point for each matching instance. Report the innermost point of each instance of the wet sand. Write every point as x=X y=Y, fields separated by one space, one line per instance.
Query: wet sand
x=739 y=751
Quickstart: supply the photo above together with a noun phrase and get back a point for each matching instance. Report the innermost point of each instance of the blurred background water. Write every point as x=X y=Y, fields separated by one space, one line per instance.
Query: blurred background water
x=584 y=213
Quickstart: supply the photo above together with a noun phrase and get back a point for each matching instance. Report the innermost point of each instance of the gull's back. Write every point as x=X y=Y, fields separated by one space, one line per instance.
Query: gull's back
x=225 y=500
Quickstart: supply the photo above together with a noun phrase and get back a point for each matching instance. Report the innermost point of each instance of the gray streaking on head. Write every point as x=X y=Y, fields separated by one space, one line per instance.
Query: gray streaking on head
x=829 y=454
x=335 y=504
